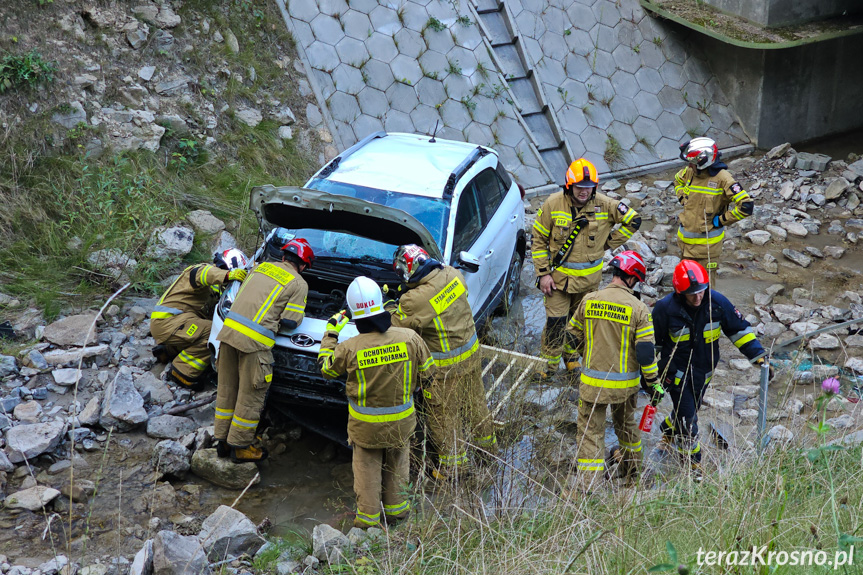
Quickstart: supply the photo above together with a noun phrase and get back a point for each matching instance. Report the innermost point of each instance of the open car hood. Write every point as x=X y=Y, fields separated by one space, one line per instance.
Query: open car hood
x=294 y=208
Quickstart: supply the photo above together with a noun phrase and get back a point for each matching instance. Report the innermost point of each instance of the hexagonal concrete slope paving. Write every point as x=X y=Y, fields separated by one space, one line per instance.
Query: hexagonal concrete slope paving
x=410 y=65
x=645 y=84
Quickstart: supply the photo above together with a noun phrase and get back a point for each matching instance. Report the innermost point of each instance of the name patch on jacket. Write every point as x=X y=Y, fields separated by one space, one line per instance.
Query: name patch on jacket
x=274 y=272
x=444 y=298
x=382 y=355
x=606 y=310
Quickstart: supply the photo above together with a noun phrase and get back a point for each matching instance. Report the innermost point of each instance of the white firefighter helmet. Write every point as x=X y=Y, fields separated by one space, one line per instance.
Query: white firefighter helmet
x=231 y=259
x=365 y=298
x=701 y=152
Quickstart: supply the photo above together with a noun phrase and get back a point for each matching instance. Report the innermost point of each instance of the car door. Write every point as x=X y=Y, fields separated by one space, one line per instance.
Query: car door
x=499 y=218
x=469 y=235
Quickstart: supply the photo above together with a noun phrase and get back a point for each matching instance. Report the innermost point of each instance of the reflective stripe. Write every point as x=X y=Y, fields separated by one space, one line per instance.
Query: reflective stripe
x=677 y=377
x=679 y=335
x=224 y=413
x=380 y=414
x=740 y=334
x=262 y=313
x=428 y=363
x=244 y=423
x=711 y=332
x=325 y=352
x=406 y=395
x=651 y=369
x=704 y=190
x=576 y=324
x=540 y=228
x=624 y=349
x=600 y=216
x=161 y=312
x=636 y=447
x=712 y=237
x=590 y=464
x=626 y=232
x=744 y=340
x=581 y=265
x=250 y=329
x=441 y=333
x=609 y=380
x=361 y=388
x=397 y=509
x=567 y=348
x=487 y=440
x=539 y=254
x=580 y=269
x=369 y=519
x=740 y=196
x=192 y=361
x=668 y=423
x=643 y=332
x=204 y=273
x=628 y=216
x=693 y=451
x=331 y=372
x=451 y=460
x=458 y=354
x=296 y=307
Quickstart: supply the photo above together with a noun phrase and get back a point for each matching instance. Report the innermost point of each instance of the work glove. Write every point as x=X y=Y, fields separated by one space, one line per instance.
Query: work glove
x=336 y=323
x=716 y=222
x=760 y=362
x=394 y=292
x=287 y=325
x=654 y=389
x=237 y=274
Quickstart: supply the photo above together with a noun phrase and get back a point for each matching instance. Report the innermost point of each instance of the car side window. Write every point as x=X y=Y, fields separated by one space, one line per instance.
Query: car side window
x=490 y=192
x=468 y=224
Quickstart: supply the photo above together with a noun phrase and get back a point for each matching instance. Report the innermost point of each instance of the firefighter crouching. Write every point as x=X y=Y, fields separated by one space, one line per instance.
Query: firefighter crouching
x=383 y=365
x=435 y=306
x=711 y=200
x=273 y=296
x=615 y=332
x=570 y=235
x=688 y=323
x=180 y=323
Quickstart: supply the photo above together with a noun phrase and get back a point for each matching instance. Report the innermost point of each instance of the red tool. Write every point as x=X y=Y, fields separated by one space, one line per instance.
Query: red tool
x=646 y=423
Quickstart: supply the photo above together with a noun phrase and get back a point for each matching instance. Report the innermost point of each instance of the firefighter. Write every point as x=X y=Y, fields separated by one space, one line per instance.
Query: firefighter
x=570 y=235
x=180 y=323
x=688 y=324
x=272 y=297
x=614 y=330
x=711 y=200
x=434 y=304
x=383 y=365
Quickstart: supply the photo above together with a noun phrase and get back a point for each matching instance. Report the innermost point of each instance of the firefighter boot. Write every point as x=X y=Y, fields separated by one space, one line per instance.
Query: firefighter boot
x=195 y=384
x=697 y=475
x=223 y=450
x=248 y=454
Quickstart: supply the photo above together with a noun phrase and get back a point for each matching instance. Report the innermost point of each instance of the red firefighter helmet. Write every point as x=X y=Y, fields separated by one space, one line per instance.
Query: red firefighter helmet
x=301 y=249
x=630 y=263
x=690 y=277
x=408 y=259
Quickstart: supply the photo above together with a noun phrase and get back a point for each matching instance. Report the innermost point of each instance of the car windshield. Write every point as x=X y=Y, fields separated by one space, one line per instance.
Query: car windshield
x=431 y=212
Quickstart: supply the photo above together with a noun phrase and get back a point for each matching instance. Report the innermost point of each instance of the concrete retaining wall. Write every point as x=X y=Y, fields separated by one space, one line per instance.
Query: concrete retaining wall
x=777 y=13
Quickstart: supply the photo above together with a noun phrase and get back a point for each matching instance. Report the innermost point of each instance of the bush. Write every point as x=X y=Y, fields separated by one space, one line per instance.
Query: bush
x=27 y=69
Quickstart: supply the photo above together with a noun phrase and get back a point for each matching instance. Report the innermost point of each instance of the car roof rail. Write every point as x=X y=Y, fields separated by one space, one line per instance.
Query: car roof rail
x=463 y=167
x=331 y=167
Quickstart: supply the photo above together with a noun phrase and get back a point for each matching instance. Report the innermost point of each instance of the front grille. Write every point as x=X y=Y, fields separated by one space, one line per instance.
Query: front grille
x=297 y=380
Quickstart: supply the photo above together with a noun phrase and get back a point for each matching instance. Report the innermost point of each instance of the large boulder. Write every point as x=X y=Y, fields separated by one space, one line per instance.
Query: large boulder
x=170 y=243
x=69 y=356
x=113 y=262
x=170 y=427
x=205 y=222
x=175 y=554
x=90 y=414
x=28 y=441
x=122 y=407
x=171 y=458
x=149 y=384
x=72 y=330
x=8 y=365
x=328 y=542
x=143 y=562
x=228 y=532
x=32 y=499
x=222 y=471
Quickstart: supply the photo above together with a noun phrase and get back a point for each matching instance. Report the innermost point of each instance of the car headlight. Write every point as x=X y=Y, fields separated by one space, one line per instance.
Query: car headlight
x=227 y=298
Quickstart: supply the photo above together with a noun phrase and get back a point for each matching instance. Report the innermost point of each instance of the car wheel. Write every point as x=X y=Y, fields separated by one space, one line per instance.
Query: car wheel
x=512 y=284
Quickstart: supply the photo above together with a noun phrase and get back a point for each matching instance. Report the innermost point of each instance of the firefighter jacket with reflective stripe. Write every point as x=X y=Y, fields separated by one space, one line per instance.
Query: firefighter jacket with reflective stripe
x=437 y=309
x=195 y=291
x=581 y=270
x=607 y=325
x=688 y=338
x=272 y=291
x=382 y=370
x=704 y=196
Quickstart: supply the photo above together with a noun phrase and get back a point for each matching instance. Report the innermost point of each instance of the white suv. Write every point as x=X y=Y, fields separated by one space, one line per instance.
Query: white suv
x=452 y=198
